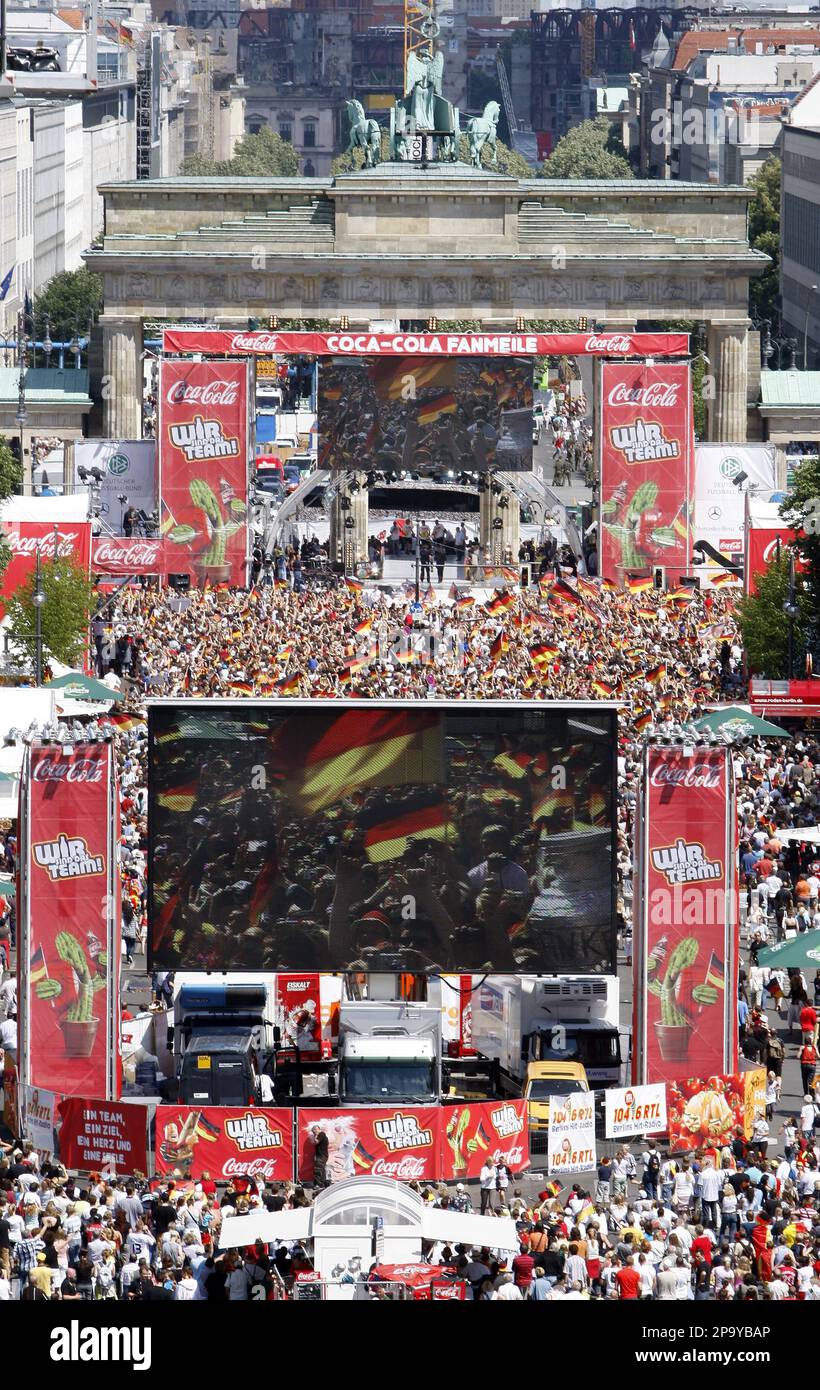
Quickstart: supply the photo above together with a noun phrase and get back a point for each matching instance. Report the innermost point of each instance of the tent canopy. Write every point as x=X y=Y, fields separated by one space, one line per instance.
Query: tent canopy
x=807 y=834
x=77 y=686
x=732 y=721
x=802 y=952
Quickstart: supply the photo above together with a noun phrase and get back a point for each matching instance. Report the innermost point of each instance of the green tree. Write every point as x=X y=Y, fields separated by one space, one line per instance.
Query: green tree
x=764 y=235
x=590 y=150
x=10 y=481
x=805 y=487
x=261 y=155
x=764 y=626
x=64 y=615
x=69 y=300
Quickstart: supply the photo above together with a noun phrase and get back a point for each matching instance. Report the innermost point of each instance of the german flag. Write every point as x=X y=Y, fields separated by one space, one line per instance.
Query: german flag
x=548 y=802
x=638 y=585
x=241 y=687
x=284 y=654
x=464 y=603
x=357 y=749
x=648 y=614
x=481 y=1138
x=680 y=595
x=124 y=723
x=513 y=764
x=510 y=572
x=391 y=375
x=721 y=581
x=598 y=806
x=501 y=602
x=263 y=889
x=715 y=972
x=543 y=654
x=423 y=816
x=561 y=589
x=288 y=684
x=498 y=646
x=362 y=1158
x=643 y=720
x=609 y=586
x=353 y=666
x=164 y=919
x=37 y=966
x=603 y=689
x=656 y=675
x=179 y=799
x=170 y=737
x=354 y=585
x=585 y=586
x=428 y=411
x=206 y=1129
x=362 y=628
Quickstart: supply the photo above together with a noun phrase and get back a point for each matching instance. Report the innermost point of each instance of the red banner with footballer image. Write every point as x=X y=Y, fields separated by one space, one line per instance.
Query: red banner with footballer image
x=203 y=469
x=645 y=423
x=224 y=1142
x=69 y=925
x=686 y=962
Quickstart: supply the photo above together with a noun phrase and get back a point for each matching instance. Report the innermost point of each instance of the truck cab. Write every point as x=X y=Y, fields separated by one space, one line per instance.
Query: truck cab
x=547 y=1079
x=389 y=1053
x=220 y=1068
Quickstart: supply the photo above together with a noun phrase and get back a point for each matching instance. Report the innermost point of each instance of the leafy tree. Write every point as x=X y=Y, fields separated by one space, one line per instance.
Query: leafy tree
x=64 y=615
x=261 y=155
x=805 y=487
x=10 y=481
x=764 y=235
x=69 y=301
x=590 y=150
x=764 y=626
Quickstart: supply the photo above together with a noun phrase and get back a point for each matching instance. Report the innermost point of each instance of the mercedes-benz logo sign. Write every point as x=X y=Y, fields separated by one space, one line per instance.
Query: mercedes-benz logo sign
x=715 y=513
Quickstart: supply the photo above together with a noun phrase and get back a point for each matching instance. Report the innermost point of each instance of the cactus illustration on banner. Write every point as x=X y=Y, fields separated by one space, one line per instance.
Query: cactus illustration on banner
x=78 y=1023
x=677 y=1016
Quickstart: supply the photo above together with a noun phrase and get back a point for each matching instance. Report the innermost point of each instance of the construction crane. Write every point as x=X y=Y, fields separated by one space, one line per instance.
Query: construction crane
x=421 y=28
x=506 y=96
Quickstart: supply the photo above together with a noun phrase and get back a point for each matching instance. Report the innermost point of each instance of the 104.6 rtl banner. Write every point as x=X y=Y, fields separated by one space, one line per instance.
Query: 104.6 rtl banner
x=69 y=948
x=645 y=445
x=686 y=957
x=203 y=469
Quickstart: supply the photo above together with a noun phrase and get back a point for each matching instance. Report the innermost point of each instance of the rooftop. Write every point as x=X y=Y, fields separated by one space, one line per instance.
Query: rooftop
x=792 y=389
x=717 y=41
x=46 y=386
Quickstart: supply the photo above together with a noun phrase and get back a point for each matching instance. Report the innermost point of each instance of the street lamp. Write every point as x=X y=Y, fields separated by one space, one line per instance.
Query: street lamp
x=38 y=598
x=791 y=611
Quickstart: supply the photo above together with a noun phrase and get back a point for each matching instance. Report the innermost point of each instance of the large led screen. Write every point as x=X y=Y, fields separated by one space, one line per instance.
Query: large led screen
x=426 y=414
x=300 y=835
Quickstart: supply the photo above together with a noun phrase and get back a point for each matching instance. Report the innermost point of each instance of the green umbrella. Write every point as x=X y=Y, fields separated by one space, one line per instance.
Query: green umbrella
x=6 y=889
x=75 y=686
x=802 y=952
x=733 y=722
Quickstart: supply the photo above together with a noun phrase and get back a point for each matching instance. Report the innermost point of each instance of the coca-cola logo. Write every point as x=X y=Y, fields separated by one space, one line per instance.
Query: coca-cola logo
x=442 y=1292
x=253 y=342
x=129 y=553
x=512 y=1156
x=58 y=769
x=29 y=545
x=618 y=342
x=406 y=1169
x=209 y=393
x=252 y=1167
x=658 y=394
x=694 y=775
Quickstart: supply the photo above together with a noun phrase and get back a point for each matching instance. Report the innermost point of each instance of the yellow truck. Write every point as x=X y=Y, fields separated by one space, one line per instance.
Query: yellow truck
x=546 y=1079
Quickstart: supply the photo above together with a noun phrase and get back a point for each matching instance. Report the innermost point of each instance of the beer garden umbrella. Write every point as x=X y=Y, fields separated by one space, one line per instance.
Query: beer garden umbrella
x=802 y=952
x=731 y=721
x=74 y=685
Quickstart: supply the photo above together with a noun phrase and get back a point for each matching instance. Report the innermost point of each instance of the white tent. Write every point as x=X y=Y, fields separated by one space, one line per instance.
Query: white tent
x=58 y=510
x=809 y=834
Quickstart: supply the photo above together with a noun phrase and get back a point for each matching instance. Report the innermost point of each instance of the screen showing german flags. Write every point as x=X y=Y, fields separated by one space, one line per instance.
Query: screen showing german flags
x=370 y=836
x=420 y=414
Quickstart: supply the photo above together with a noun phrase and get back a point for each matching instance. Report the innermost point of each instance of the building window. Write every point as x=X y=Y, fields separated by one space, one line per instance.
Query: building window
x=286 y=131
x=309 y=170
x=255 y=124
x=309 y=135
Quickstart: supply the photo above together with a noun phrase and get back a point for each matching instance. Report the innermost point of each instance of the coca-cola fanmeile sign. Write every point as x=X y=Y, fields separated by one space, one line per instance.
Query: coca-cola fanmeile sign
x=219 y=341
x=123 y=555
x=71 y=540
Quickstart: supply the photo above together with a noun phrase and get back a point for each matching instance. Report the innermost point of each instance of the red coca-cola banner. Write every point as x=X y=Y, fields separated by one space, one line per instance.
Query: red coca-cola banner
x=299 y=1012
x=73 y=541
x=217 y=341
x=122 y=555
x=224 y=1142
x=645 y=440
x=686 y=961
x=762 y=543
x=203 y=469
x=69 y=924
x=97 y=1136
x=416 y=1142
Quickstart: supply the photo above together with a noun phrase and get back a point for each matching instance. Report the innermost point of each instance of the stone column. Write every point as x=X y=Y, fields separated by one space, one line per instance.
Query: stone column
x=727 y=350
x=348 y=544
x=121 y=385
x=499 y=524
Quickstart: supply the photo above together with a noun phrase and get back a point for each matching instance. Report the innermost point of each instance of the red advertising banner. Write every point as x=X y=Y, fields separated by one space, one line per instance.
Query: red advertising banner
x=216 y=342
x=224 y=1142
x=399 y=1142
x=470 y=1134
x=73 y=541
x=416 y=1142
x=69 y=923
x=707 y=1112
x=98 y=1136
x=686 y=962
x=762 y=545
x=123 y=555
x=299 y=1010
x=645 y=443
x=203 y=469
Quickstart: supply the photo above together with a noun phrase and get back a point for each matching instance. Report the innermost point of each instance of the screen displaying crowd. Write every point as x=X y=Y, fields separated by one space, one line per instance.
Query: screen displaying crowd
x=471 y=838
x=423 y=414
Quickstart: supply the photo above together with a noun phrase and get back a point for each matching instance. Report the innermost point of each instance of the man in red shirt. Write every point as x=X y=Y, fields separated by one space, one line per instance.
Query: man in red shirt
x=522 y=1268
x=703 y=1244
x=628 y=1281
x=808 y=1024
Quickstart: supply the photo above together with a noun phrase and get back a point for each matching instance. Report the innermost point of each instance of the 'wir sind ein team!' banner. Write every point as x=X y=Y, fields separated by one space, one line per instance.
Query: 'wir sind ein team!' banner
x=225 y=1142
x=96 y=1136
x=645 y=422
x=203 y=469
x=69 y=923
x=686 y=962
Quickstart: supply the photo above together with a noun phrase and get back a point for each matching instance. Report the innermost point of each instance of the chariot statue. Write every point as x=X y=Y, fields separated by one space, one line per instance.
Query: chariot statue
x=364 y=134
x=423 y=111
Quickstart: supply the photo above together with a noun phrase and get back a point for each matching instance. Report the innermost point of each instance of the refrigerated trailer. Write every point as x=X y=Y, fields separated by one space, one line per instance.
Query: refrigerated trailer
x=517 y=1020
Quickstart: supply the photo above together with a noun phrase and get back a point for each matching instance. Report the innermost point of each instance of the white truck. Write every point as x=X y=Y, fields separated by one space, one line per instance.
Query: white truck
x=519 y=1019
x=389 y=1053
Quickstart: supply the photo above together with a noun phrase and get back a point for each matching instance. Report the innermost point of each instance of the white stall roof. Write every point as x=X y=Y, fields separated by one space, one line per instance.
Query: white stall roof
x=57 y=510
